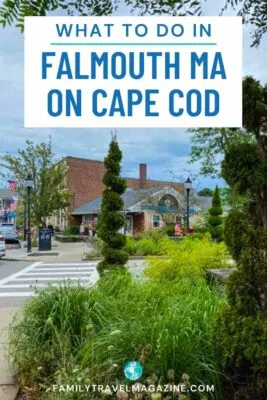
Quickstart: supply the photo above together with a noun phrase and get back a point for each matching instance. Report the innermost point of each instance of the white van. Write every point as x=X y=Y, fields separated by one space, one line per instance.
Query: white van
x=2 y=246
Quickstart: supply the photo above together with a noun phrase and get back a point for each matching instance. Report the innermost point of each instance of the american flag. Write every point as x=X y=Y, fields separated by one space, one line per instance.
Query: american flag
x=12 y=185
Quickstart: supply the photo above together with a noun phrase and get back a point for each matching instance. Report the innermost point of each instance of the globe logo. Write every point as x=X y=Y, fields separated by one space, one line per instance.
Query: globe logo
x=133 y=370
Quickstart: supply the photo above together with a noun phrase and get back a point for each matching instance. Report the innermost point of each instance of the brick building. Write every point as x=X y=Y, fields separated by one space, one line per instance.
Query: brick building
x=84 y=179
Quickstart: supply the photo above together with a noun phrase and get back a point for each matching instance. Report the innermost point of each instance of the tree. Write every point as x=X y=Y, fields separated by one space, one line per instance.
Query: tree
x=111 y=218
x=209 y=145
x=242 y=326
x=15 y=10
x=255 y=108
x=215 y=219
x=49 y=193
x=206 y=192
x=252 y=11
x=20 y=214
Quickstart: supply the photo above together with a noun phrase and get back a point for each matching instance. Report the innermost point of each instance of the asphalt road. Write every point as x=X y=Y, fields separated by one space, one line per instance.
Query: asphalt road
x=19 y=279
x=11 y=267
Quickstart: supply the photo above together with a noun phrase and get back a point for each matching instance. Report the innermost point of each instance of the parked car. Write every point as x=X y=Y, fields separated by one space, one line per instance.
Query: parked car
x=2 y=246
x=9 y=224
x=10 y=233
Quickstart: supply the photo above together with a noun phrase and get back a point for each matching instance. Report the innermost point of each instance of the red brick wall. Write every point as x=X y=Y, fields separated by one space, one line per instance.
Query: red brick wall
x=134 y=184
x=142 y=175
x=84 y=179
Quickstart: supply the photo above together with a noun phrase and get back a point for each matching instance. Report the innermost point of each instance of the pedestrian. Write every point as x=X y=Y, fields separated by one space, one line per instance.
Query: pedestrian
x=81 y=229
x=177 y=230
x=94 y=229
x=50 y=226
x=90 y=230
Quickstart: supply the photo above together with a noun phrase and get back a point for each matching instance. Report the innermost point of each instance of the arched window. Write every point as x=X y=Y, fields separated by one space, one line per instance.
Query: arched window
x=168 y=203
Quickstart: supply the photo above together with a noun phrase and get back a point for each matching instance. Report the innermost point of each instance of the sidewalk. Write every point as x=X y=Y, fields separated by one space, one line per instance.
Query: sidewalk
x=61 y=252
x=8 y=387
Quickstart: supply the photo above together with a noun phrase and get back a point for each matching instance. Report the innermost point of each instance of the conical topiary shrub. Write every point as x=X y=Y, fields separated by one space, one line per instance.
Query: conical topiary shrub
x=111 y=218
x=215 y=219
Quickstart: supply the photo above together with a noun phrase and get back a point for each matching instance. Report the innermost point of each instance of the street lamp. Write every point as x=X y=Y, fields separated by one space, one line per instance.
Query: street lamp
x=25 y=220
x=29 y=185
x=188 y=187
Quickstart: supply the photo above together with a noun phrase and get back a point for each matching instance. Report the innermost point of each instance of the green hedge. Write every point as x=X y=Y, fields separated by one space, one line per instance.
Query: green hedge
x=71 y=230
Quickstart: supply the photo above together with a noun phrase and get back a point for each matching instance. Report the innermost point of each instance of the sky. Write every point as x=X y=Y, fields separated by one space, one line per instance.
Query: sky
x=164 y=150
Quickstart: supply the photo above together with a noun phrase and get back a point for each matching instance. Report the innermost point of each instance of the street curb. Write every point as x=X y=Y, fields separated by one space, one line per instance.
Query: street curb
x=132 y=258
x=37 y=259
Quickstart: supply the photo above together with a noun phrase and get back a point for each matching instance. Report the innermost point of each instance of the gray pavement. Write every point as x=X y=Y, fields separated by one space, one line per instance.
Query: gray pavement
x=23 y=282
x=8 y=268
x=8 y=386
x=60 y=252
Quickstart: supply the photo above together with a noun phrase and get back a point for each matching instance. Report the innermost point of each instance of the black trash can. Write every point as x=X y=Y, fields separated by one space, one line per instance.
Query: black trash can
x=45 y=236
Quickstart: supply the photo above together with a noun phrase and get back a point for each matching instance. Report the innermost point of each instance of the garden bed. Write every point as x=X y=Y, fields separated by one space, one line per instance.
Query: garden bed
x=165 y=321
x=71 y=334
x=69 y=238
x=42 y=253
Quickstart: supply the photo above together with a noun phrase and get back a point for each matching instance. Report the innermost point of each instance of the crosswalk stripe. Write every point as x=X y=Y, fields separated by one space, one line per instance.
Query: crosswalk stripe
x=19 y=273
x=54 y=278
x=39 y=275
x=65 y=269
x=66 y=263
x=58 y=273
x=17 y=294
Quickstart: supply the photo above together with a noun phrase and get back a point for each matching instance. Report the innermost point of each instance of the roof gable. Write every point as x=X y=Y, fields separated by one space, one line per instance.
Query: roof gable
x=131 y=198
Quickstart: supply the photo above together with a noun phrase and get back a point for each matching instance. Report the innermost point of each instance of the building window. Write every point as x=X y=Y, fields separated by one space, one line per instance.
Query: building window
x=155 y=221
x=129 y=224
x=87 y=219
